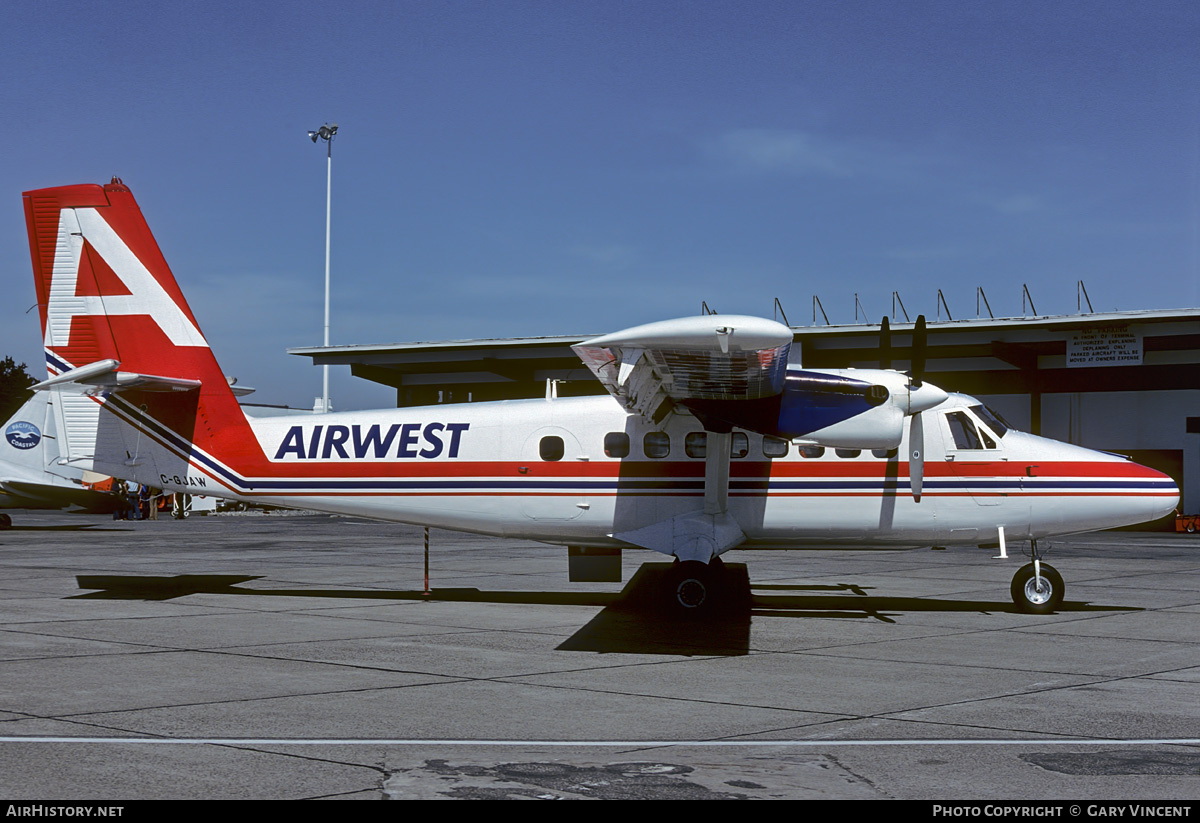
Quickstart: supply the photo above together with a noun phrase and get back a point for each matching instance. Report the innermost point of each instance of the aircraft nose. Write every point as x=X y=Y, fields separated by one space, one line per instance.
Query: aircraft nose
x=1150 y=494
x=1169 y=501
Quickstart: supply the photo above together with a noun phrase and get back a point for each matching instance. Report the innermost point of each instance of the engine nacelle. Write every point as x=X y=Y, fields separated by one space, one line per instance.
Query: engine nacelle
x=850 y=408
x=881 y=427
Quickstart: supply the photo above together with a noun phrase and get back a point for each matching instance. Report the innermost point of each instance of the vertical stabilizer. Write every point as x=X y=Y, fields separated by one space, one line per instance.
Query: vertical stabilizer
x=113 y=314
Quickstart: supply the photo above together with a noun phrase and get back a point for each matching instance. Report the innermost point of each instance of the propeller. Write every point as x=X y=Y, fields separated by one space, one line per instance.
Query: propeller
x=916 y=455
x=916 y=381
x=885 y=344
x=916 y=429
x=918 y=353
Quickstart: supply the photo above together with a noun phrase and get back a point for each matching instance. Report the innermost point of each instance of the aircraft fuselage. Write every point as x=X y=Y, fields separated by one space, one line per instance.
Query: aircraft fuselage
x=577 y=470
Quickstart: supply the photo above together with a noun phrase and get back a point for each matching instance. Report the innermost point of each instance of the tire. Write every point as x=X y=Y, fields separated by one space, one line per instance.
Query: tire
x=1190 y=528
x=5 y=521
x=1037 y=597
x=693 y=587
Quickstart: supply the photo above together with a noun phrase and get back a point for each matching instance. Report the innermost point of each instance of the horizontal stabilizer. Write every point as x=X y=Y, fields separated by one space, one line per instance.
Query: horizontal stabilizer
x=58 y=496
x=105 y=375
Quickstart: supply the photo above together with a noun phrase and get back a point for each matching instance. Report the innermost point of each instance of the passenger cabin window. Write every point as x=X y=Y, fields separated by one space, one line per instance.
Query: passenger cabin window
x=551 y=447
x=848 y=453
x=884 y=454
x=656 y=444
x=774 y=447
x=740 y=447
x=696 y=444
x=616 y=444
x=812 y=452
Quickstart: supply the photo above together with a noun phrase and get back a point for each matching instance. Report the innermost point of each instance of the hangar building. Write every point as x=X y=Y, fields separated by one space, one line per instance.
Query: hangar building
x=1126 y=382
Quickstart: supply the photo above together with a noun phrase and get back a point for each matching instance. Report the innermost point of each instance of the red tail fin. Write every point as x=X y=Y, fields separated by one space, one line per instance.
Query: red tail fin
x=104 y=288
x=105 y=292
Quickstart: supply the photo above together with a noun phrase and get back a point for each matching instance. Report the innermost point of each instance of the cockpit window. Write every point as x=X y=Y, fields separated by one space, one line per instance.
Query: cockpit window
x=992 y=419
x=963 y=430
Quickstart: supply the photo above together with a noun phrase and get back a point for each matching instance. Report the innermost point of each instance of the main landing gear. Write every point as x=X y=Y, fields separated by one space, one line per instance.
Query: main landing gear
x=1037 y=587
x=694 y=587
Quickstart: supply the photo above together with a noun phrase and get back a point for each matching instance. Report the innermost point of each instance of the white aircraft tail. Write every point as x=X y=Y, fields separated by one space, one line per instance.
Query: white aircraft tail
x=30 y=447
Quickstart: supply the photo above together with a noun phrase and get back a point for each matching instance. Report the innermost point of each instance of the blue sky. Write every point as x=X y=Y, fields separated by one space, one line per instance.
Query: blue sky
x=527 y=168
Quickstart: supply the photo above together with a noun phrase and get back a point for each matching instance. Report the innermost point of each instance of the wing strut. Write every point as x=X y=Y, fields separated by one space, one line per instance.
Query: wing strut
x=698 y=535
x=716 y=472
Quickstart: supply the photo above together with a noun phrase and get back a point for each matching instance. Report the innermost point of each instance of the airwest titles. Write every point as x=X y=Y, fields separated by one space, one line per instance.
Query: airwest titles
x=428 y=440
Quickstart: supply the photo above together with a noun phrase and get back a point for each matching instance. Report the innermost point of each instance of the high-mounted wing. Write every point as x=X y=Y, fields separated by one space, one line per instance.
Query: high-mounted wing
x=730 y=371
x=651 y=368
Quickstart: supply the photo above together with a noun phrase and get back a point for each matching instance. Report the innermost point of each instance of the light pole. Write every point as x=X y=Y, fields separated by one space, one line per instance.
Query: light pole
x=326 y=133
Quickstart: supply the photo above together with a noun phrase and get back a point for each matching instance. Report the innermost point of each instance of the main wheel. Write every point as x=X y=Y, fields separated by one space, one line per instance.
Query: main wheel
x=1035 y=594
x=5 y=521
x=694 y=586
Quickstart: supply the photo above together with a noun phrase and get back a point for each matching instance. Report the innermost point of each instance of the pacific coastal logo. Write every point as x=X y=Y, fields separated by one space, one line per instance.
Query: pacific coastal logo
x=22 y=435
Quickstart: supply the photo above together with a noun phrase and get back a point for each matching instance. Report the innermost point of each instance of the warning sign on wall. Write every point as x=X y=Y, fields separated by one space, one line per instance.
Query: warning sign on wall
x=1106 y=346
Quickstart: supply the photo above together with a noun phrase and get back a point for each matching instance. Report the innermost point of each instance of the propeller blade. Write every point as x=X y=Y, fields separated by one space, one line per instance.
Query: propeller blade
x=918 y=353
x=916 y=455
x=885 y=344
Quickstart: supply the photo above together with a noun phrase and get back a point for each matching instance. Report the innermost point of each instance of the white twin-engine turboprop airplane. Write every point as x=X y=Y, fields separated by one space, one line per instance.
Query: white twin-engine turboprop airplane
x=709 y=442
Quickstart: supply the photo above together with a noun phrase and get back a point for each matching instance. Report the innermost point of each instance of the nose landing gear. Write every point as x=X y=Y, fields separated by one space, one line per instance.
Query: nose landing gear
x=1037 y=587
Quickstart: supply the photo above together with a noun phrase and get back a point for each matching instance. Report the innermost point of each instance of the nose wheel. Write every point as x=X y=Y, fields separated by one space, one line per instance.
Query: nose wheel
x=1037 y=591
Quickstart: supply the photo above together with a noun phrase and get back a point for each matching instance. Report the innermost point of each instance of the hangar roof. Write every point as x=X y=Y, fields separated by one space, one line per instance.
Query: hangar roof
x=338 y=354
x=977 y=351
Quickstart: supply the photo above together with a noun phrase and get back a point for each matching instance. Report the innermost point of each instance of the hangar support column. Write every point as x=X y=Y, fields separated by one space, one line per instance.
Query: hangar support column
x=1189 y=501
x=1025 y=357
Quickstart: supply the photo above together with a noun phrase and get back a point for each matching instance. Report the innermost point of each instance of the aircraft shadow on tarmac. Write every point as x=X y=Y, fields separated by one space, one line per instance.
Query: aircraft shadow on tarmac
x=637 y=620
x=69 y=527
